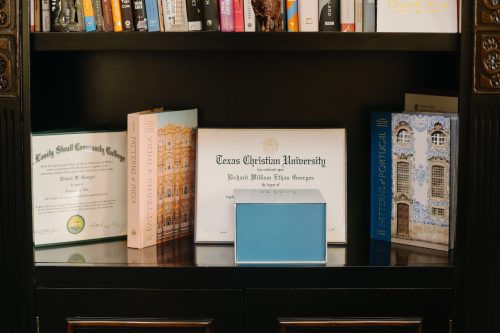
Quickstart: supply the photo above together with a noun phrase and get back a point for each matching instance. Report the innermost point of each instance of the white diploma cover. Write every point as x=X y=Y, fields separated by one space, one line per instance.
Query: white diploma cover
x=229 y=159
x=79 y=186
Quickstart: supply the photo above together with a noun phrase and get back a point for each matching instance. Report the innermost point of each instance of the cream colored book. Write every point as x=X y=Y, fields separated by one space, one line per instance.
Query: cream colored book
x=160 y=175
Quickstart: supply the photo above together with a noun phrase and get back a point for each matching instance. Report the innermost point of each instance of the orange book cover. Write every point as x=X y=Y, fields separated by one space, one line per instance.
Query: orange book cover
x=117 y=15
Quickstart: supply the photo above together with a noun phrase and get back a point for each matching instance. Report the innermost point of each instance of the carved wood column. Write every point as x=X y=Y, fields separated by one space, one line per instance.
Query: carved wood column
x=16 y=249
x=478 y=255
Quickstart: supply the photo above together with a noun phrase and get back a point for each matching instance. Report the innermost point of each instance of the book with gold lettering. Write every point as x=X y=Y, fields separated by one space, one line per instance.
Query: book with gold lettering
x=160 y=177
x=78 y=186
x=417 y=16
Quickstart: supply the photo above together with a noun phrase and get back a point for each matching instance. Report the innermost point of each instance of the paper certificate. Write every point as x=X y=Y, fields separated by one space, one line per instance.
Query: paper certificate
x=229 y=159
x=79 y=186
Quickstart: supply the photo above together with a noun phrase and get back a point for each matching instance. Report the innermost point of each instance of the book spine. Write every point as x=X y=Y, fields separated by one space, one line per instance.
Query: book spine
x=55 y=9
x=211 y=15
x=174 y=12
x=88 y=13
x=369 y=15
x=141 y=180
x=226 y=15
x=381 y=176
x=107 y=15
x=97 y=8
x=139 y=14
x=152 y=15
x=249 y=16
x=32 y=16
x=308 y=16
x=193 y=12
x=161 y=18
x=329 y=15
x=45 y=15
x=127 y=16
x=239 y=21
x=347 y=16
x=358 y=15
x=292 y=15
x=37 y=15
x=117 y=15
x=283 y=20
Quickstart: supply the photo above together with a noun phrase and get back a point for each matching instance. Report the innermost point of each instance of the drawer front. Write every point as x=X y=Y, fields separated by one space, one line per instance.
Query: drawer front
x=139 y=310
x=305 y=310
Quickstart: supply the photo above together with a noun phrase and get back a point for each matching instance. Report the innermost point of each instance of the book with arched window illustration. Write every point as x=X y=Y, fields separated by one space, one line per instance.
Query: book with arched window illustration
x=422 y=182
x=414 y=178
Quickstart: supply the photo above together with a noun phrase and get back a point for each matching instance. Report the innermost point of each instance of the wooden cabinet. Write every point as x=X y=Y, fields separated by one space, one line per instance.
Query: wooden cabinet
x=92 y=80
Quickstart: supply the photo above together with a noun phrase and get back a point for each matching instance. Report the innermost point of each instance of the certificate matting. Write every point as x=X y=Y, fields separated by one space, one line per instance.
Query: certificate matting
x=229 y=159
x=79 y=186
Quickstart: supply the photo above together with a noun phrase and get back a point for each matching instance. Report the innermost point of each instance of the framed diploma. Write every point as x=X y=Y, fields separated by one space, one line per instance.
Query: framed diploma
x=79 y=186
x=229 y=159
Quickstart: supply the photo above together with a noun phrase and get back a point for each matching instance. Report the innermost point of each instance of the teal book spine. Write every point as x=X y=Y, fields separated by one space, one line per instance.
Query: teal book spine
x=381 y=176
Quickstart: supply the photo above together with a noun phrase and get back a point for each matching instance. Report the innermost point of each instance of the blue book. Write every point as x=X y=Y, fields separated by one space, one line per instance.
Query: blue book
x=381 y=176
x=152 y=15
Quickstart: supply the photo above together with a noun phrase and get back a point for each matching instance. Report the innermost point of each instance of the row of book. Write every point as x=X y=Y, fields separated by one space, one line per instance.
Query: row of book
x=243 y=15
x=143 y=182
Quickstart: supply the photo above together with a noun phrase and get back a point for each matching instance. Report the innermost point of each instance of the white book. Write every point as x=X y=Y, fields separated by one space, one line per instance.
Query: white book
x=347 y=16
x=430 y=103
x=229 y=159
x=308 y=16
x=417 y=16
x=249 y=16
x=45 y=15
x=175 y=15
x=358 y=15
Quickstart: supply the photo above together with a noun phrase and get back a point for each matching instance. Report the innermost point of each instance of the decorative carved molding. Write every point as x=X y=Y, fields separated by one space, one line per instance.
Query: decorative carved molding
x=8 y=16
x=487 y=63
x=8 y=75
x=488 y=12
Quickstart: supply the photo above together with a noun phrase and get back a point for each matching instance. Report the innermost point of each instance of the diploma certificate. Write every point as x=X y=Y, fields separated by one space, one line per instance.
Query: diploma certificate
x=229 y=159
x=79 y=186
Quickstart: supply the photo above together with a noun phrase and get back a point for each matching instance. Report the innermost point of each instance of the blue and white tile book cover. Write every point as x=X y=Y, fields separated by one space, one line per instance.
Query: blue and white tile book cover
x=421 y=180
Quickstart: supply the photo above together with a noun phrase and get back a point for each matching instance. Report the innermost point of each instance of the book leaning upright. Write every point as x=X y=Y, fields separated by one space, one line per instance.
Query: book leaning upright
x=160 y=175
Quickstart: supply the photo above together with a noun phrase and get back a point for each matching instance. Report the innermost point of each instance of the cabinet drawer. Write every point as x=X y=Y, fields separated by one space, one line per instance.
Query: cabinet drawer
x=268 y=309
x=219 y=310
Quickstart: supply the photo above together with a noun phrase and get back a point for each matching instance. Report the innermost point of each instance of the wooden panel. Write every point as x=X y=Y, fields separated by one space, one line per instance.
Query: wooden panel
x=16 y=250
x=358 y=325
x=223 y=308
x=82 y=325
x=265 y=307
x=479 y=269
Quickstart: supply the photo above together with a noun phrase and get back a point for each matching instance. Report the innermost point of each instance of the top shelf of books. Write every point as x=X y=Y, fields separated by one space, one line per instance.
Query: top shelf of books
x=266 y=41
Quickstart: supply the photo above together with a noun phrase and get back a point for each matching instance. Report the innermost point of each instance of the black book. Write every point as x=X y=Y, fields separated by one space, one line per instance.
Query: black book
x=127 y=16
x=329 y=15
x=139 y=13
x=194 y=17
x=210 y=15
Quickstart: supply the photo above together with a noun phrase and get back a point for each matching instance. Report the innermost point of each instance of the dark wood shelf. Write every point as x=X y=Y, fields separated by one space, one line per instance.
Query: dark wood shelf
x=189 y=265
x=217 y=41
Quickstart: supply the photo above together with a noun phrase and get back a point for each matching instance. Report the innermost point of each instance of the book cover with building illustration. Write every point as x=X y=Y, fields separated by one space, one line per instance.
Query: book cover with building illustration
x=423 y=185
x=161 y=171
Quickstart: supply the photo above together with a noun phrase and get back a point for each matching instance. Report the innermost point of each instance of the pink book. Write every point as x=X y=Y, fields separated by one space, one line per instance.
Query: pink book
x=239 y=21
x=226 y=15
